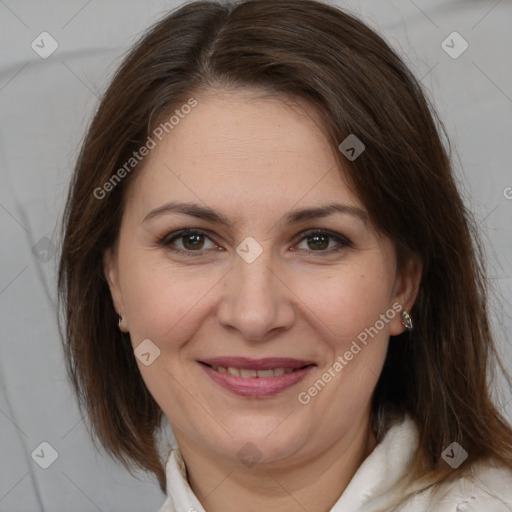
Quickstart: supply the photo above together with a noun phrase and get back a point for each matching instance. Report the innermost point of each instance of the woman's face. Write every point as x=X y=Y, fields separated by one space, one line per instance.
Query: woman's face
x=280 y=278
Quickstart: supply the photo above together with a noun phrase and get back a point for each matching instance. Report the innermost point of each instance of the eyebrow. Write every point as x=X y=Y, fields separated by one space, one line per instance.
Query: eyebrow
x=296 y=216
x=293 y=217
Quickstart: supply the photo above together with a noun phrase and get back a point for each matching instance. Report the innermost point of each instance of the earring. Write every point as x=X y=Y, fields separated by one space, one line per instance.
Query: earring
x=406 y=320
x=119 y=320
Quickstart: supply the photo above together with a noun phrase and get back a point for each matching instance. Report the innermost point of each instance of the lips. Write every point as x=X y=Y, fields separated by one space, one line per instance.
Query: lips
x=268 y=363
x=256 y=378
x=248 y=373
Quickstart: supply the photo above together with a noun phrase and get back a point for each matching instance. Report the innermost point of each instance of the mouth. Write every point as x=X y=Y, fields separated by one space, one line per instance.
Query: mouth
x=256 y=378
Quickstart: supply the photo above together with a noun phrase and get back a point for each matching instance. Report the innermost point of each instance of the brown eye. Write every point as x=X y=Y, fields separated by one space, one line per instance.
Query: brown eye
x=188 y=241
x=323 y=242
x=318 y=242
x=193 y=242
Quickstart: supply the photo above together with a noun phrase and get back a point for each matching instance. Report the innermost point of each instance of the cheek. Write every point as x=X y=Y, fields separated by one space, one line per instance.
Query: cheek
x=162 y=303
x=348 y=301
x=354 y=337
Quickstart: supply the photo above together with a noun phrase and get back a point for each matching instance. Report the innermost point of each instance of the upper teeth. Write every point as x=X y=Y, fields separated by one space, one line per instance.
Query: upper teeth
x=243 y=372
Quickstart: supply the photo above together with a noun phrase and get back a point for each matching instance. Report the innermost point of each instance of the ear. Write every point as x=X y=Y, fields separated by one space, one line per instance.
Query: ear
x=406 y=289
x=111 y=271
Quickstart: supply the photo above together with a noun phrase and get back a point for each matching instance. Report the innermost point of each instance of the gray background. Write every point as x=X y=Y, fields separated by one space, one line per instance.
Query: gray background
x=46 y=105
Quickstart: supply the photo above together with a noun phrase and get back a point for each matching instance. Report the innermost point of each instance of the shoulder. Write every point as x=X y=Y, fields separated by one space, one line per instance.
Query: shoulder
x=492 y=485
x=483 y=487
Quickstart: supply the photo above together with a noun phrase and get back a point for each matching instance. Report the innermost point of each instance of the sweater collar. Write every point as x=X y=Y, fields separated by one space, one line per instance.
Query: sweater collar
x=379 y=472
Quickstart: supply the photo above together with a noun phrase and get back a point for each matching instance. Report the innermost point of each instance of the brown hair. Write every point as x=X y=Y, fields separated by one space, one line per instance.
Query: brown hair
x=310 y=51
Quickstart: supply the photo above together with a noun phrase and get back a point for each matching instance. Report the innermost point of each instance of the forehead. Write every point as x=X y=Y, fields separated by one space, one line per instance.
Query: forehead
x=239 y=149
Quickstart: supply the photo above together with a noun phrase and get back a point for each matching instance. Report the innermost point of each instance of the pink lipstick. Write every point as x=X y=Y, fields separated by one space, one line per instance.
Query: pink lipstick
x=256 y=378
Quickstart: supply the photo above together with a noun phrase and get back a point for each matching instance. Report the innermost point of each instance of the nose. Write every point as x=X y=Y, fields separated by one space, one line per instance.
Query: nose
x=256 y=300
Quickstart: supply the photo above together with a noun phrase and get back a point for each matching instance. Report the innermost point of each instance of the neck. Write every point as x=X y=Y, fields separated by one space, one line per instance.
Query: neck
x=312 y=484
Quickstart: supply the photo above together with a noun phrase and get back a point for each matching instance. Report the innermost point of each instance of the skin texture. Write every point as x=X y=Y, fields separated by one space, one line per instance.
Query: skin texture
x=254 y=160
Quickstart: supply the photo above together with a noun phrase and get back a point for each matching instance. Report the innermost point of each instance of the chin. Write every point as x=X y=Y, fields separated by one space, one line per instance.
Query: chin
x=269 y=440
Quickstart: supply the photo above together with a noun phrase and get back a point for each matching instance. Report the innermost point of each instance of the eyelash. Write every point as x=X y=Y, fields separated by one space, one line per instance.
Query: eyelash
x=169 y=238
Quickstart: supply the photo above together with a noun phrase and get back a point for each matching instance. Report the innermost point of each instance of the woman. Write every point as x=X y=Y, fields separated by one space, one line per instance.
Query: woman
x=264 y=244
